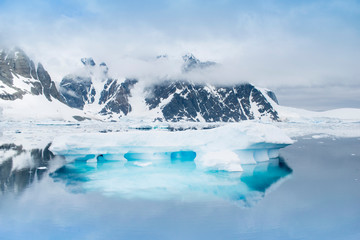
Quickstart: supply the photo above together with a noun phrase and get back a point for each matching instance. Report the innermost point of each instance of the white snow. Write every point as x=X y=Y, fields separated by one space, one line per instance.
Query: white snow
x=22 y=82
x=33 y=107
x=318 y=136
x=343 y=122
x=334 y=123
x=295 y=114
x=5 y=89
x=254 y=107
x=139 y=108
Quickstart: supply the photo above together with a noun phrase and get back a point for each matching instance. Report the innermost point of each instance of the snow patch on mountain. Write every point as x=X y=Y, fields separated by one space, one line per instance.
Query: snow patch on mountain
x=94 y=92
x=37 y=108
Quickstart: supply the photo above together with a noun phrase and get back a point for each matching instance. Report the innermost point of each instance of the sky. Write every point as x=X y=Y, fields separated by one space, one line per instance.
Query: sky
x=306 y=51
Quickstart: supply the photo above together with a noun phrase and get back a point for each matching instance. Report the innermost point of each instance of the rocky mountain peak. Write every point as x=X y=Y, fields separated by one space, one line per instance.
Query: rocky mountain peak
x=189 y=57
x=19 y=76
x=88 y=62
x=192 y=63
x=94 y=90
x=104 y=68
x=187 y=101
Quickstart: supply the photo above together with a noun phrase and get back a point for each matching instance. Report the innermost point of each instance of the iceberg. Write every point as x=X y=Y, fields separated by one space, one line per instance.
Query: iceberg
x=237 y=162
x=226 y=147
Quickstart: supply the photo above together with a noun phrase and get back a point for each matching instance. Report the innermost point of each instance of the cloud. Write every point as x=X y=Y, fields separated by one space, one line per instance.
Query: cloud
x=268 y=43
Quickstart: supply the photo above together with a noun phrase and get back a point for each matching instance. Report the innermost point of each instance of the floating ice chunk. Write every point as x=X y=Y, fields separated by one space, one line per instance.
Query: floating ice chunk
x=318 y=136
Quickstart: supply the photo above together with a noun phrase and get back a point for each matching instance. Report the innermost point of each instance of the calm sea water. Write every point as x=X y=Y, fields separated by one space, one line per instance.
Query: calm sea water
x=312 y=192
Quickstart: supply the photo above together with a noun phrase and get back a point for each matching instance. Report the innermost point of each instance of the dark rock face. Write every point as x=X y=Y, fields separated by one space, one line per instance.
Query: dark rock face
x=170 y=100
x=79 y=90
x=272 y=95
x=5 y=72
x=17 y=63
x=17 y=180
x=116 y=96
x=192 y=102
x=104 y=68
x=21 y=64
x=49 y=87
x=175 y=101
x=110 y=94
x=76 y=91
x=88 y=62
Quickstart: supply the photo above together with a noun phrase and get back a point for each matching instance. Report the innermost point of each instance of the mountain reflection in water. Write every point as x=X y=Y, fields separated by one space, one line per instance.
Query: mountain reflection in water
x=20 y=167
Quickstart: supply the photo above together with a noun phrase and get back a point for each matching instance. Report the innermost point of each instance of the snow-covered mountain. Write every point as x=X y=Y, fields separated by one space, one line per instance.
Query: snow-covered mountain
x=92 y=92
x=181 y=100
x=28 y=93
x=172 y=100
x=191 y=63
x=19 y=76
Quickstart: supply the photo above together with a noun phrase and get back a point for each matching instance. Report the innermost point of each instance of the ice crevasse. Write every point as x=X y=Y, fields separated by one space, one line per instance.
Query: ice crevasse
x=223 y=148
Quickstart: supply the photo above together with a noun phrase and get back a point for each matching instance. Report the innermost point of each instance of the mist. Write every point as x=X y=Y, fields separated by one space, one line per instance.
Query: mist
x=267 y=43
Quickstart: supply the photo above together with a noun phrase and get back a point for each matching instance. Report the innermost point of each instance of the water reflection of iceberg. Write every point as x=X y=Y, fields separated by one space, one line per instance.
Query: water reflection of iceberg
x=163 y=179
